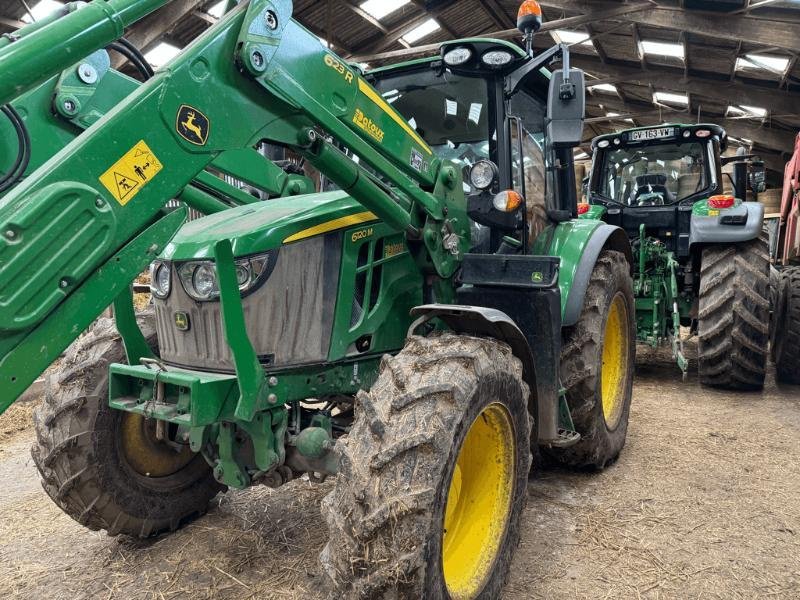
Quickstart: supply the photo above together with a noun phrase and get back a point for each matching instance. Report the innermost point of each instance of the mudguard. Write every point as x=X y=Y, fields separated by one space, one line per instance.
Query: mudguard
x=744 y=223
x=603 y=237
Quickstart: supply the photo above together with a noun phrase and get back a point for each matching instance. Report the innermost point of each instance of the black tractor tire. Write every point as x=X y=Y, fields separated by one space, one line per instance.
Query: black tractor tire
x=582 y=366
x=79 y=452
x=386 y=512
x=733 y=316
x=786 y=327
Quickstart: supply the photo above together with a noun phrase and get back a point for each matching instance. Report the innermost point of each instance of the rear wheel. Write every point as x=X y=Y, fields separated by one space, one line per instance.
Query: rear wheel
x=433 y=475
x=733 y=318
x=597 y=362
x=109 y=469
x=786 y=327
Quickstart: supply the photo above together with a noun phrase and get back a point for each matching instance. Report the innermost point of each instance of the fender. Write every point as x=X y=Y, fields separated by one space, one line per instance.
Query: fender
x=712 y=229
x=578 y=257
x=489 y=322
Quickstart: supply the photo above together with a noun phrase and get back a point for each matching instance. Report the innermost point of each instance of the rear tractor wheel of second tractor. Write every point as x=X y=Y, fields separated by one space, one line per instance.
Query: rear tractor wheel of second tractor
x=733 y=317
x=434 y=475
x=598 y=356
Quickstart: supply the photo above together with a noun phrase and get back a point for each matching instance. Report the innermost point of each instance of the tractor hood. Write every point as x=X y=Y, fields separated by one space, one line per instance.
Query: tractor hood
x=259 y=227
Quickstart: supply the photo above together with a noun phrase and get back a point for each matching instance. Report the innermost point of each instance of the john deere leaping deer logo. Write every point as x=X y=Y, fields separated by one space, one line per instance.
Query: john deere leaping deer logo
x=192 y=125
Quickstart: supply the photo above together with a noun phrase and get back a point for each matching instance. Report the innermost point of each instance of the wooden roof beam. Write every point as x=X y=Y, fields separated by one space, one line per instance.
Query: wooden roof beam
x=149 y=30
x=777 y=139
x=780 y=102
x=371 y=55
x=497 y=14
x=782 y=34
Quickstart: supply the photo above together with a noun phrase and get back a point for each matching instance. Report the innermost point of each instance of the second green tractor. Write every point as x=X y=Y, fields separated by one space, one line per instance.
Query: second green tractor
x=701 y=256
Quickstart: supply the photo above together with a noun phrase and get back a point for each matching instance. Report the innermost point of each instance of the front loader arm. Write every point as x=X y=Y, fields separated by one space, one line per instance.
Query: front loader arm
x=91 y=213
x=35 y=56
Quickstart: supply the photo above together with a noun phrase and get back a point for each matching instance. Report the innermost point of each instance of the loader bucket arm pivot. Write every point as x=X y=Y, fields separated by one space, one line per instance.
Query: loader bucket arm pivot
x=65 y=226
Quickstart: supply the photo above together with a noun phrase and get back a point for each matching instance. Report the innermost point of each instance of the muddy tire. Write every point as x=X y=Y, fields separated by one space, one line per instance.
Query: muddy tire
x=786 y=336
x=602 y=344
x=733 y=318
x=82 y=448
x=444 y=429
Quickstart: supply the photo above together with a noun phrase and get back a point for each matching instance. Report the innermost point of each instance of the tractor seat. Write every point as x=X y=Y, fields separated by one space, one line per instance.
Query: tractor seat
x=655 y=183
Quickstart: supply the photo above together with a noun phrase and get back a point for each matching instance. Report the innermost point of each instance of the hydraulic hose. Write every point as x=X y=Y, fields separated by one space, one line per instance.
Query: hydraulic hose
x=132 y=53
x=24 y=153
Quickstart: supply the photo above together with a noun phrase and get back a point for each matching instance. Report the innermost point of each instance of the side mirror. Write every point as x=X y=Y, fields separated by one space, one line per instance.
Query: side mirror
x=566 y=108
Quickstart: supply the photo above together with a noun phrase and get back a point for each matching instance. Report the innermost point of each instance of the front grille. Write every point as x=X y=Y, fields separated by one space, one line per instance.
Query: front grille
x=289 y=319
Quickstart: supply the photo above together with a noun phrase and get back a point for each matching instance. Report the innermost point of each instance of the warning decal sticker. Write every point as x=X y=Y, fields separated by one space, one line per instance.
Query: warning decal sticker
x=131 y=173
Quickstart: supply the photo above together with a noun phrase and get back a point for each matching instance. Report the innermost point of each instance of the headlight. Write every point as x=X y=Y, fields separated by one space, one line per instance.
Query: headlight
x=497 y=58
x=457 y=56
x=160 y=279
x=483 y=174
x=204 y=281
x=199 y=278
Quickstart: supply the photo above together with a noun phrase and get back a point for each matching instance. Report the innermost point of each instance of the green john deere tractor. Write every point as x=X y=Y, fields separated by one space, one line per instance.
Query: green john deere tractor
x=701 y=257
x=405 y=327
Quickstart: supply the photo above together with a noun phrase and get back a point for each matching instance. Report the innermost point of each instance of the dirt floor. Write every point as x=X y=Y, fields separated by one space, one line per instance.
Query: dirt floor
x=704 y=502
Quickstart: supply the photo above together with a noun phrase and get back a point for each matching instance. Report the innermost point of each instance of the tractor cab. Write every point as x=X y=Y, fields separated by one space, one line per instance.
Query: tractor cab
x=653 y=177
x=669 y=180
x=482 y=103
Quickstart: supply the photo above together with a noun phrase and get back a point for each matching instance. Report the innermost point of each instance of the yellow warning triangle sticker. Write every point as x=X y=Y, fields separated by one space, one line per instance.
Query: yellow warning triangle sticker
x=125 y=185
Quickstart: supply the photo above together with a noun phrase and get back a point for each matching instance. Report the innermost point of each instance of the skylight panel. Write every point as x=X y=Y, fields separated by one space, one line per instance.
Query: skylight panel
x=581 y=156
x=603 y=87
x=41 y=10
x=161 y=54
x=421 y=31
x=663 y=49
x=775 y=64
x=746 y=111
x=217 y=10
x=564 y=36
x=670 y=98
x=382 y=8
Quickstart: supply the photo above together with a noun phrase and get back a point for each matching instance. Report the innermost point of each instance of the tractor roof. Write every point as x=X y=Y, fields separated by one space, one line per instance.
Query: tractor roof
x=662 y=134
x=484 y=44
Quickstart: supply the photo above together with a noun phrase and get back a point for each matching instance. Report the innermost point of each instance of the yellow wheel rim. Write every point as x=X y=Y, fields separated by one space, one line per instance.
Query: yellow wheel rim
x=145 y=453
x=478 y=503
x=613 y=376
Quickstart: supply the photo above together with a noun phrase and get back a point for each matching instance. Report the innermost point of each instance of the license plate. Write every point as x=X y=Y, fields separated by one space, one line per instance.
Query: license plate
x=652 y=134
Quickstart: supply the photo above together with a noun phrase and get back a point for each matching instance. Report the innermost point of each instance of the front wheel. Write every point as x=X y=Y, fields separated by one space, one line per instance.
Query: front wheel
x=598 y=356
x=433 y=476
x=109 y=469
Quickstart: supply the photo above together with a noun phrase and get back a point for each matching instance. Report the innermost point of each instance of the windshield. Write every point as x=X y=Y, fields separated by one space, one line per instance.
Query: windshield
x=653 y=175
x=450 y=112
